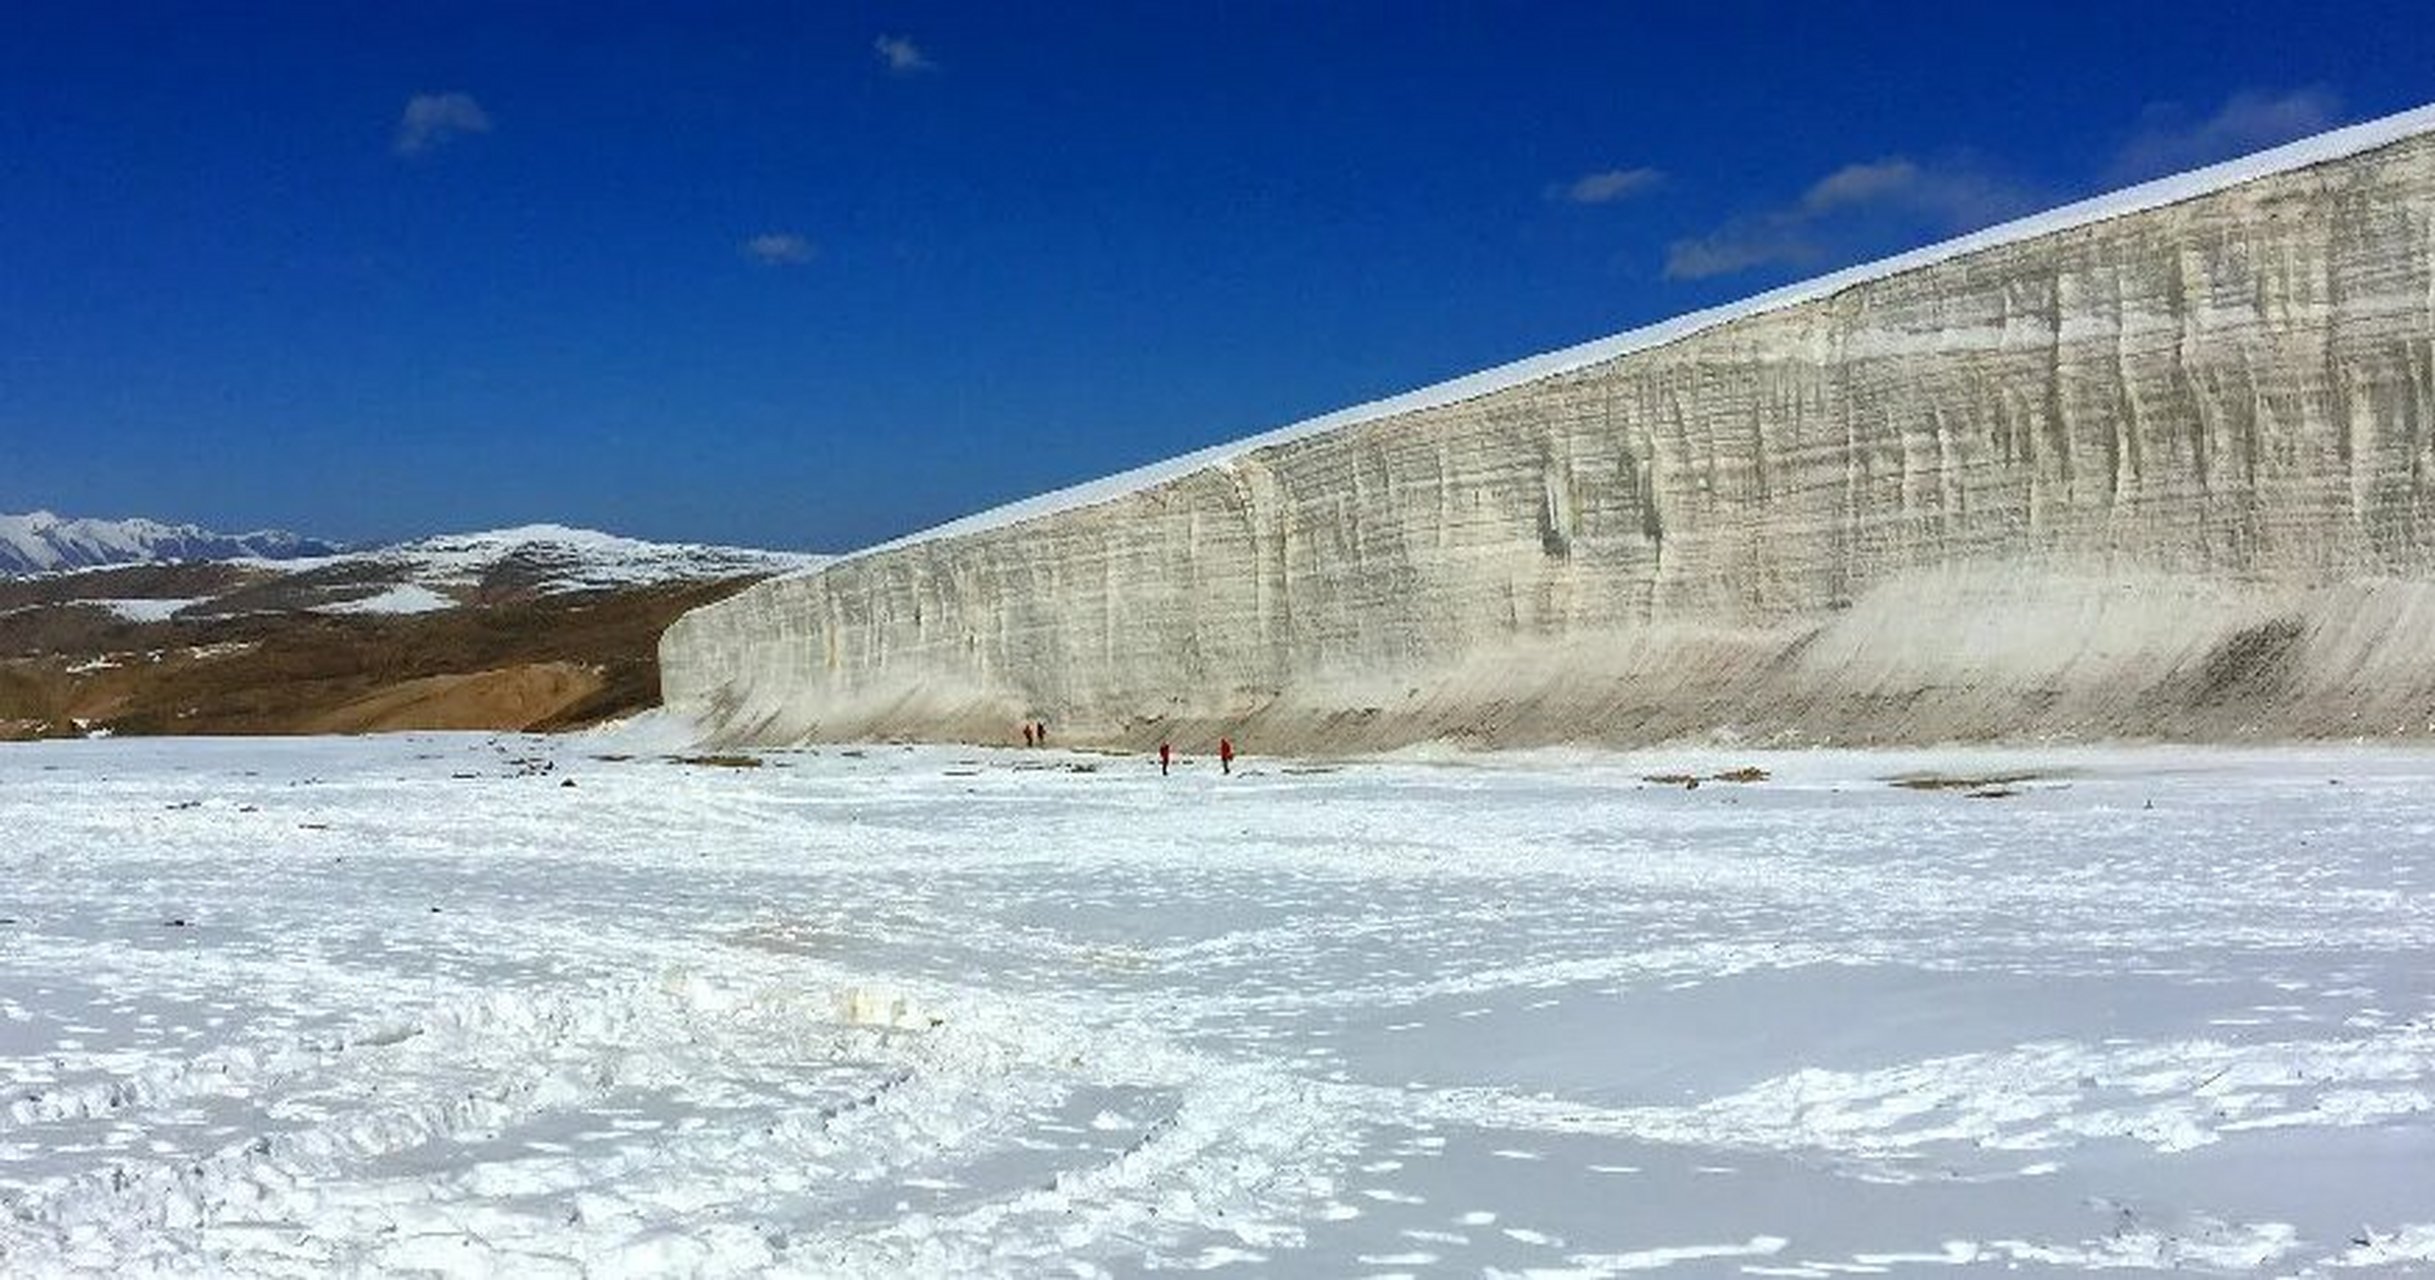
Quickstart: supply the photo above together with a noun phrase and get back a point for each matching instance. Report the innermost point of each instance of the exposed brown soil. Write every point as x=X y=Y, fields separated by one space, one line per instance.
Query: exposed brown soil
x=1989 y=784
x=722 y=761
x=521 y=695
x=1691 y=781
x=546 y=662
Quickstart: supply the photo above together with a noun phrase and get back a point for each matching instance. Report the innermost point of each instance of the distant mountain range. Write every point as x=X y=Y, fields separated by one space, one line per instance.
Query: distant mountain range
x=41 y=542
x=537 y=559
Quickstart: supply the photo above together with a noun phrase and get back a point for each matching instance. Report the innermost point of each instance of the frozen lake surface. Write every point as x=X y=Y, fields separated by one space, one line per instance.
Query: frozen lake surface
x=412 y=1003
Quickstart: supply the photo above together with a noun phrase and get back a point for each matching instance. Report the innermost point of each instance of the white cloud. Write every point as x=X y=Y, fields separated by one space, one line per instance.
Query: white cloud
x=1606 y=186
x=1858 y=202
x=901 y=55
x=779 y=249
x=1894 y=198
x=1739 y=246
x=1957 y=195
x=431 y=119
x=1860 y=183
x=2168 y=140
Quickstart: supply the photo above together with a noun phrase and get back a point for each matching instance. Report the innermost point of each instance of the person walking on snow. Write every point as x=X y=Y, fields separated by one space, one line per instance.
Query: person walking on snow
x=1165 y=754
x=1027 y=738
x=1226 y=754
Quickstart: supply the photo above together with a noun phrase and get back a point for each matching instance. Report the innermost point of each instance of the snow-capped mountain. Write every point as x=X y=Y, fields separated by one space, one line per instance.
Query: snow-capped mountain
x=491 y=567
x=546 y=559
x=40 y=542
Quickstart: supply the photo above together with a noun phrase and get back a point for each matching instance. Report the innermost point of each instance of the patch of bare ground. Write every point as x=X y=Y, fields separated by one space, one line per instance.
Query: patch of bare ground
x=720 y=761
x=1991 y=786
x=541 y=663
x=1691 y=781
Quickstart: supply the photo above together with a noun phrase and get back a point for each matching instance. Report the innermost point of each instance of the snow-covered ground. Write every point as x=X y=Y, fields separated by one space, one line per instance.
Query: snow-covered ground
x=414 y=1003
x=147 y=610
x=409 y=597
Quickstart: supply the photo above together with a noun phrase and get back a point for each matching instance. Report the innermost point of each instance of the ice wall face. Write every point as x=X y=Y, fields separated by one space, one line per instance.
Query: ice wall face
x=2165 y=474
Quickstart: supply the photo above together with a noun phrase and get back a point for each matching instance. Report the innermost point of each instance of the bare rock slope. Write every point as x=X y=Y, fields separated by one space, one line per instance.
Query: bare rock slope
x=2159 y=466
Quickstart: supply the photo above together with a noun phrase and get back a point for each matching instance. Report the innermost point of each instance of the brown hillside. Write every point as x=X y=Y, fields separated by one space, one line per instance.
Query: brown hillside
x=543 y=662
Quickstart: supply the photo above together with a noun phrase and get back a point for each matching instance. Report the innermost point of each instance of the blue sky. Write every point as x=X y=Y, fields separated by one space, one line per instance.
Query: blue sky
x=814 y=275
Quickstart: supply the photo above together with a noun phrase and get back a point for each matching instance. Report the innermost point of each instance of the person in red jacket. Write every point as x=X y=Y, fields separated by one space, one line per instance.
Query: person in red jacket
x=1226 y=754
x=1165 y=754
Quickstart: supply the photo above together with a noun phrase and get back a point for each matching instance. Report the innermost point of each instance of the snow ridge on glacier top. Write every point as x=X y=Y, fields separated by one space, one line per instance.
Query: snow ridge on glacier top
x=2333 y=145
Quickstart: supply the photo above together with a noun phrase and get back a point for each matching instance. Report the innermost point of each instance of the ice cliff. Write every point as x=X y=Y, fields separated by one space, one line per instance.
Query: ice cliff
x=2155 y=465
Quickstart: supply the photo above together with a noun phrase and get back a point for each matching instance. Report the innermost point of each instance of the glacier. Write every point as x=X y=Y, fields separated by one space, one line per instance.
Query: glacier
x=2154 y=465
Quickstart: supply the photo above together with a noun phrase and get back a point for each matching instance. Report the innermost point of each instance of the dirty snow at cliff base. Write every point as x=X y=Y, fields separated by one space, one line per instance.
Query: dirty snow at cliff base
x=412 y=1004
